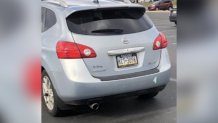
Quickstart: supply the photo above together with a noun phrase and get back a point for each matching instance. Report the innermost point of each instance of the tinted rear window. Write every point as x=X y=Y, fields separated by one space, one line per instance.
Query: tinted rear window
x=109 y=21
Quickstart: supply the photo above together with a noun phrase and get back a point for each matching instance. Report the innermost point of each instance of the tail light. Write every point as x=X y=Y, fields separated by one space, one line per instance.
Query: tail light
x=71 y=50
x=160 y=42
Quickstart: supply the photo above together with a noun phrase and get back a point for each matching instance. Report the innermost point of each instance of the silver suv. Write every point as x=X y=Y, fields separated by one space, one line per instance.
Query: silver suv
x=96 y=51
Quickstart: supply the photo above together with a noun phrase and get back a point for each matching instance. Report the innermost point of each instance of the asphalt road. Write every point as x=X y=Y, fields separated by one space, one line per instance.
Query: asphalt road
x=161 y=109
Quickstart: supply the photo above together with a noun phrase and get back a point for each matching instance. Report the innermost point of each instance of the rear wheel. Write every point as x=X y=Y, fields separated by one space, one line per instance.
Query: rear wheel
x=149 y=95
x=49 y=96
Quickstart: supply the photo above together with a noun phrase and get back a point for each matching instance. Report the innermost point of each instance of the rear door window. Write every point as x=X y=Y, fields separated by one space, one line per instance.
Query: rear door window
x=43 y=13
x=109 y=21
x=48 y=19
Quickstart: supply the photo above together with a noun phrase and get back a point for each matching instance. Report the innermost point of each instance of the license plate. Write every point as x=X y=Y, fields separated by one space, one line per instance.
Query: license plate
x=127 y=60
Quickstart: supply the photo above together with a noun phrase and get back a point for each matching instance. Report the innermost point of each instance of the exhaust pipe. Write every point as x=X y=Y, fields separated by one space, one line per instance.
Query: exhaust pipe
x=94 y=106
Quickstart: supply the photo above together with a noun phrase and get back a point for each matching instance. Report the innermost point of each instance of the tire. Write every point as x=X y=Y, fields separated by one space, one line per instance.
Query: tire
x=49 y=97
x=149 y=95
x=175 y=22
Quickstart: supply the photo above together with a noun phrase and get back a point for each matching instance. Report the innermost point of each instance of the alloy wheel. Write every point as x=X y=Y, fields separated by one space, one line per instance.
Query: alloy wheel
x=48 y=93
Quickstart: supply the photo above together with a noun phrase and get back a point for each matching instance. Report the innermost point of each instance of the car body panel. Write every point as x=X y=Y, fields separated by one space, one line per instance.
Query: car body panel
x=78 y=87
x=74 y=79
x=106 y=65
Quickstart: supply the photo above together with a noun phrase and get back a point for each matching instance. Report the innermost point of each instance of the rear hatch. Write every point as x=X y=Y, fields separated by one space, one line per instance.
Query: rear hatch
x=121 y=37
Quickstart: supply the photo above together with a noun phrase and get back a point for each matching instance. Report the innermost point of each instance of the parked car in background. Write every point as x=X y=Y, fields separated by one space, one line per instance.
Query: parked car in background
x=173 y=15
x=161 y=5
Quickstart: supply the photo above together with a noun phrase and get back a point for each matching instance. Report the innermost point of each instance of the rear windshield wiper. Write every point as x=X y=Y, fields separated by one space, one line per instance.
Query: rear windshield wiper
x=108 y=31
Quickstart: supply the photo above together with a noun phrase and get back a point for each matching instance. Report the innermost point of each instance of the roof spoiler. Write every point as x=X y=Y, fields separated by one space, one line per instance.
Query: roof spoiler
x=64 y=3
x=58 y=2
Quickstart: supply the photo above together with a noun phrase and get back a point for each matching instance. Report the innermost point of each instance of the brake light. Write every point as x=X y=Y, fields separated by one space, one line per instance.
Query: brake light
x=71 y=50
x=160 y=42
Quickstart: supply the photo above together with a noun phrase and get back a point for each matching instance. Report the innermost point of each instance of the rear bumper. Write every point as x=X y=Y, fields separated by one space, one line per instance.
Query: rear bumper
x=114 y=97
x=71 y=91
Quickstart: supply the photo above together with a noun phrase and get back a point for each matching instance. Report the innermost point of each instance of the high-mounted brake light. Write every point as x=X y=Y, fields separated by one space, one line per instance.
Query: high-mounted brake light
x=160 y=42
x=71 y=50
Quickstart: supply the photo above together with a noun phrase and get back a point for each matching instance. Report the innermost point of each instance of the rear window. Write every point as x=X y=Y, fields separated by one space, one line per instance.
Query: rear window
x=109 y=21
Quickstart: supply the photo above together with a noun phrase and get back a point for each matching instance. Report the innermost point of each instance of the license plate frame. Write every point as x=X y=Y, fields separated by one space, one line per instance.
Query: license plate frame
x=127 y=60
